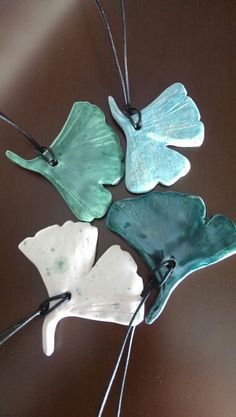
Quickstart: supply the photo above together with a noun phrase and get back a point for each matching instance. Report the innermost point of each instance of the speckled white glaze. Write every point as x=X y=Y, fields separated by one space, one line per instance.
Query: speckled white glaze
x=108 y=291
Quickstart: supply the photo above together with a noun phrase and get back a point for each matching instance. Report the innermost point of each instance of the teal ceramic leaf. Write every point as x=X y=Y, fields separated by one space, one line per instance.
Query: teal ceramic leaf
x=164 y=225
x=173 y=119
x=89 y=155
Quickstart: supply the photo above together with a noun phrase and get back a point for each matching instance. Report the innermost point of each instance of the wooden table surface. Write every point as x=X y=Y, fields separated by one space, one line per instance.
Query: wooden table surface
x=53 y=53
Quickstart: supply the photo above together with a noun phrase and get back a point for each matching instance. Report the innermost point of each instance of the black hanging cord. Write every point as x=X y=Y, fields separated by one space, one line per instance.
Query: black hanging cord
x=45 y=308
x=125 y=371
x=111 y=40
x=129 y=110
x=157 y=281
x=116 y=367
x=46 y=153
x=125 y=55
x=42 y=310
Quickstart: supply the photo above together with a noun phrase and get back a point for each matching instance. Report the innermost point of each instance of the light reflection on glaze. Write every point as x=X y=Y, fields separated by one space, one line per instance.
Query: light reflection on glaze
x=108 y=291
x=89 y=155
x=169 y=224
x=173 y=119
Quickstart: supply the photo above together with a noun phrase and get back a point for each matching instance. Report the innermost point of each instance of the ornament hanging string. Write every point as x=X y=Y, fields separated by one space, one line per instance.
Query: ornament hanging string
x=124 y=78
x=128 y=339
x=156 y=282
x=45 y=152
x=43 y=310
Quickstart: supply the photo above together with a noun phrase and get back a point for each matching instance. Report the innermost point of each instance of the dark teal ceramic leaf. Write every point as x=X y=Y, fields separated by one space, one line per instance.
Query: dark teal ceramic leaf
x=164 y=225
x=89 y=155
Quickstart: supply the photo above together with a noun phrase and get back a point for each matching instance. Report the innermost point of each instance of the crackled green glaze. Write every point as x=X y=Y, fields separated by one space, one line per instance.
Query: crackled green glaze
x=164 y=225
x=89 y=155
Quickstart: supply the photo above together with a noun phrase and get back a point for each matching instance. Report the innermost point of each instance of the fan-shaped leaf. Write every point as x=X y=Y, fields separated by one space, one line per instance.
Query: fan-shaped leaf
x=165 y=225
x=172 y=119
x=89 y=155
x=64 y=256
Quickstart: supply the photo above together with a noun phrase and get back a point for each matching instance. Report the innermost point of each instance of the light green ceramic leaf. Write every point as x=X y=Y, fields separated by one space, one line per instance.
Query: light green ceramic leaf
x=168 y=225
x=173 y=119
x=89 y=155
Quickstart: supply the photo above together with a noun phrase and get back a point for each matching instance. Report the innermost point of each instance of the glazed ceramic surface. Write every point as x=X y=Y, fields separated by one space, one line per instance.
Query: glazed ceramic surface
x=165 y=225
x=89 y=155
x=108 y=291
x=173 y=119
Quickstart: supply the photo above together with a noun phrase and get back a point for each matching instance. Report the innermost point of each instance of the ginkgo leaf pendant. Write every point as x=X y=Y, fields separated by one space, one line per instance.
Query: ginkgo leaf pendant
x=173 y=119
x=108 y=291
x=169 y=225
x=89 y=155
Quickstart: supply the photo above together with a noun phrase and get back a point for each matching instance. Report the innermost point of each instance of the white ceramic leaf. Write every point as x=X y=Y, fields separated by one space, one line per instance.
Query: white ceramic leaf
x=110 y=291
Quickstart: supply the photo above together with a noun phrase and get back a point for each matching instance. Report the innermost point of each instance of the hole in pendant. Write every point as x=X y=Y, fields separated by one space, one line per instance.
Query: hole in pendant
x=48 y=155
x=131 y=111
